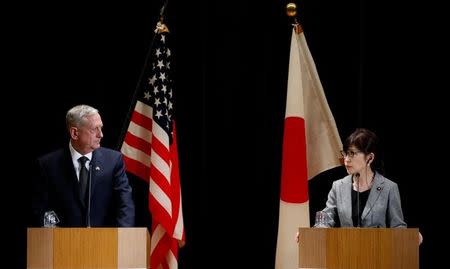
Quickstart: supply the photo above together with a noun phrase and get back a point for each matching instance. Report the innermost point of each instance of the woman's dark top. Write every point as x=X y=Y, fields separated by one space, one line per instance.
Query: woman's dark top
x=363 y=196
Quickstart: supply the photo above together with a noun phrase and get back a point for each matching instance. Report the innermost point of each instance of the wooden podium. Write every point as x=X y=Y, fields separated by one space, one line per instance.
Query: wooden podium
x=90 y=248
x=349 y=248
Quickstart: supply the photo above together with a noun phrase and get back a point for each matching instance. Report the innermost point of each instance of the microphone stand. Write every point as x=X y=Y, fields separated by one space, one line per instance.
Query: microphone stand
x=88 y=215
x=357 y=199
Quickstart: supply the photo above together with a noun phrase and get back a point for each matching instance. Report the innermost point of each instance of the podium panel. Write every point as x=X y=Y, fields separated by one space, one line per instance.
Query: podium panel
x=351 y=248
x=61 y=248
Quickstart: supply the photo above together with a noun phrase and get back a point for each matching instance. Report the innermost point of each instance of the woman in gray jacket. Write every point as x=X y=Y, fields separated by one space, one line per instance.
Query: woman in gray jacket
x=364 y=198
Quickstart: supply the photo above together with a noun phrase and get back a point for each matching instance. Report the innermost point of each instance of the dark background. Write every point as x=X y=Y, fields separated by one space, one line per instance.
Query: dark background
x=379 y=63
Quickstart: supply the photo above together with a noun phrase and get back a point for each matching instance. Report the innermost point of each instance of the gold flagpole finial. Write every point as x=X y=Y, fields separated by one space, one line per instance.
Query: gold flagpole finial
x=291 y=11
x=161 y=27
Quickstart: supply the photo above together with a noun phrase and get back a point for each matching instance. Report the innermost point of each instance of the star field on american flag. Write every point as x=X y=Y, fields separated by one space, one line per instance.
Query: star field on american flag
x=157 y=91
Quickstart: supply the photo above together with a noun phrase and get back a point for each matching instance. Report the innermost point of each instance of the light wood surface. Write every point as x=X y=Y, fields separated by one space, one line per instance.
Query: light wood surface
x=87 y=248
x=133 y=244
x=39 y=248
x=351 y=248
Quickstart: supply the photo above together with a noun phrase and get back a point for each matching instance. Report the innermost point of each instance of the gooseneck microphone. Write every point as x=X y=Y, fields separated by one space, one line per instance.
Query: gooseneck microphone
x=356 y=179
x=88 y=214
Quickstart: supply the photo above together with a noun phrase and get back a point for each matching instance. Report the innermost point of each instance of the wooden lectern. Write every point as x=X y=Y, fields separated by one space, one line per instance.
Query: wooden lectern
x=349 y=248
x=93 y=248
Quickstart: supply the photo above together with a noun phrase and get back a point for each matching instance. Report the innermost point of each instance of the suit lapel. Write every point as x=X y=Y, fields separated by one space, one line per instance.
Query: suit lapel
x=374 y=194
x=96 y=168
x=346 y=191
x=72 y=176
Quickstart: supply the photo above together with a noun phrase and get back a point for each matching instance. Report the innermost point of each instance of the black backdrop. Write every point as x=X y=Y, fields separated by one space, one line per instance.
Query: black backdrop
x=378 y=62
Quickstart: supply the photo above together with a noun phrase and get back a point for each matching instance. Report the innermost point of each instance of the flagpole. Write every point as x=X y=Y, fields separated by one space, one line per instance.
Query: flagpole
x=135 y=94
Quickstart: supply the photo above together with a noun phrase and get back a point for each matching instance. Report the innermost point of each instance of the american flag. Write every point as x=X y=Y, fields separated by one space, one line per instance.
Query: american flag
x=150 y=152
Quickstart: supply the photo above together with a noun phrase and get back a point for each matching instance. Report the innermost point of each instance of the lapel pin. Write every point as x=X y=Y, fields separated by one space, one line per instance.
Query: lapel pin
x=97 y=168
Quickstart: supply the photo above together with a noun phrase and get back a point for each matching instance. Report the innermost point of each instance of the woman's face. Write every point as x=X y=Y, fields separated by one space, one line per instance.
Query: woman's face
x=354 y=160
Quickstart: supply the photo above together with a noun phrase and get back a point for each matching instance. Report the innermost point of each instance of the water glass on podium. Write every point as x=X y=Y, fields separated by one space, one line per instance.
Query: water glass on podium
x=50 y=219
x=321 y=220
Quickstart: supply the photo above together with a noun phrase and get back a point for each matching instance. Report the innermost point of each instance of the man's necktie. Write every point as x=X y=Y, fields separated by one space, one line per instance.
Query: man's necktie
x=83 y=178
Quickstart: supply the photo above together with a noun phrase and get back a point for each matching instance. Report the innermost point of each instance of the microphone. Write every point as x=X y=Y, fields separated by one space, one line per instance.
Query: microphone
x=356 y=177
x=88 y=214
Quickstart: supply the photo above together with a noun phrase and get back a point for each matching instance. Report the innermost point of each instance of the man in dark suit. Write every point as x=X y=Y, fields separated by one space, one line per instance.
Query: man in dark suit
x=83 y=183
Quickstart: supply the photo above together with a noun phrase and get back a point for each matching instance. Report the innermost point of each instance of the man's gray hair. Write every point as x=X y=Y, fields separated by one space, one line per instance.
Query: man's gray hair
x=77 y=114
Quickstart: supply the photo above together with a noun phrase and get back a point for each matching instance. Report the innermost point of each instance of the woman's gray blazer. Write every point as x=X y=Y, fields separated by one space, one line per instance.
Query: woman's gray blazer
x=383 y=207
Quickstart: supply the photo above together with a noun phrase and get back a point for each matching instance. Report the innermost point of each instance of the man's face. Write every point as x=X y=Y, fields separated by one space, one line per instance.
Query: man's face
x=88 y=136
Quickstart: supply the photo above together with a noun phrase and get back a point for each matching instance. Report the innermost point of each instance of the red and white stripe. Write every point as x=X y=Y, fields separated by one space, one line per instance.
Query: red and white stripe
x=149 y=155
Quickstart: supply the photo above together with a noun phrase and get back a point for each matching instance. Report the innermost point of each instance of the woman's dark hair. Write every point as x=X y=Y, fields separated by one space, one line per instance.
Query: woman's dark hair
x=366 y=141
